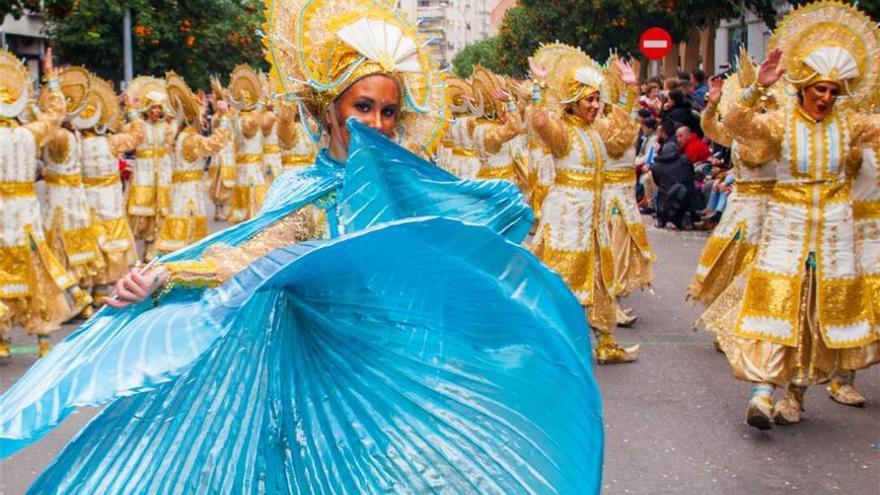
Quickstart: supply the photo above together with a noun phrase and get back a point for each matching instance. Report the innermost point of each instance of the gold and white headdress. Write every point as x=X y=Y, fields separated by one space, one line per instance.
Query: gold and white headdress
x=15 y=85
x=245 y=87
x=220 y=92
x=484 y=85
x=74 y=85
x=148 y=92
x=572 y=73
x=830 y=41
x=184 y=104
x=318 y=48
x=458 y=92
x=102 y=106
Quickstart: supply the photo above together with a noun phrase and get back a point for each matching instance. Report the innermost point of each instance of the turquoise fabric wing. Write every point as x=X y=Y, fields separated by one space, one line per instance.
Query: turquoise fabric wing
x=386 y=182
x=122 y=352
x=422 y=356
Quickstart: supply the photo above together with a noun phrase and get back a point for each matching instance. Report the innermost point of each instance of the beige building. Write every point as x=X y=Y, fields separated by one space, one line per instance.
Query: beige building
x=26 y=38
x=450 y=24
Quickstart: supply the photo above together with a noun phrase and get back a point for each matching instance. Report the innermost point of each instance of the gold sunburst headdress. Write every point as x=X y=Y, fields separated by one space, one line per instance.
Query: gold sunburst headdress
x=833 y=42
x=184 y=104
x=485 y=84
x=245 y=87
x=102 y=107
x=458 y=92
x=745 y=75
x=15 y=85
x=318 y=48
x=148 y=92
x=572 y=74
x=74 y=85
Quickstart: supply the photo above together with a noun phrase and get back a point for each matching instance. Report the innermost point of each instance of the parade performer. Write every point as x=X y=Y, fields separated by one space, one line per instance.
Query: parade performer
x=148 y=195
x=631 y=252
x=806 y=311
x=570 y=237
x=366 y=363
x=297 y=137
x=272 y=166
x=36 y=292
x=498 y=123
x=462 y=159
x=187 y=219
x=104 y=138
x=222 y=168
x=67 y=218
x=250 y=178
x=731 y=248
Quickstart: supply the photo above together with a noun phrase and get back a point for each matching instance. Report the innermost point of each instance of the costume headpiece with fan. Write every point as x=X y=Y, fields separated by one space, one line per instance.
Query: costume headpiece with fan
x=245 y=87
x=184 y=104
x=484 y=85
x=101 y=110
x=318 y=48
x=15 y=85
x=830 y=41
x=572 y=74
x=458 y=92
x=148 y=92
x=74 y=85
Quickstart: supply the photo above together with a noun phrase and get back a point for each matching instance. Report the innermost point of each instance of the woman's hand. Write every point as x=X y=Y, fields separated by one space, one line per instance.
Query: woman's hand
x=626 y=72
x=136 y=286
x=538 y=70
x=715 y=87
x=770 y=71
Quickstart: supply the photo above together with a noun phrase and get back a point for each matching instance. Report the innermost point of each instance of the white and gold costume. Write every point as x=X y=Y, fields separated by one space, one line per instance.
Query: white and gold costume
x=298 y=150
x=250 y=179
x=187 y=219
x=102 y=143
x=494 y=129
x=630 y=250
x=36 y=291
x=272 y=163
x=222 y=168
x=148 y=195
x=456 y=153
x=570 y=237
x=67 y=217
x=732 y=246
x=806 y=311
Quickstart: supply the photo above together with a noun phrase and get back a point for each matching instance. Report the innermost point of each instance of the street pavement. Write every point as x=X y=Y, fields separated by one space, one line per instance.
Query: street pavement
x=674 y=419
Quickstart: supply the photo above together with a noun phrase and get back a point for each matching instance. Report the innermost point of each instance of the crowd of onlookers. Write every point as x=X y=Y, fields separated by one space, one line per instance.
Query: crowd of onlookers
x=683 y=178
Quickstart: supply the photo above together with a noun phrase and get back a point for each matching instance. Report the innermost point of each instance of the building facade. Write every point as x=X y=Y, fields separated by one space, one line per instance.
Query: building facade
x=26 y=38
x=449 y=24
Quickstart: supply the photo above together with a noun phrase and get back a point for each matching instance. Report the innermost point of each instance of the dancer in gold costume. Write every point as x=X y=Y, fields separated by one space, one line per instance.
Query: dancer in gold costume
x=806 y=311
x=570 y=237
x=36 y=291
x=222 y=169
x=250 y=178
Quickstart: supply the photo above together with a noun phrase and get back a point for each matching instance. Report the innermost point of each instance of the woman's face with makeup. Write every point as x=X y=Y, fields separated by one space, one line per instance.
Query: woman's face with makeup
x=373 y=100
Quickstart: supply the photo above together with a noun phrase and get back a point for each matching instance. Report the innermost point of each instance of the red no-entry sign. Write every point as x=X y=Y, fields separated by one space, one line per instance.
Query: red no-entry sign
x=655 y=43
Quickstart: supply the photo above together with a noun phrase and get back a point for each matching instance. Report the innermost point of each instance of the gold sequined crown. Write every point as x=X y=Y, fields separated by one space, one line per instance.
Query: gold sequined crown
x=572 y=74
x=102 y=97
x=74 y=85
x=148 y=92
x=830 y=41
x=484 y=85
x=458 y=91
x=245 y=86
x=318 y=48
x=15 y=85
x=181 y=99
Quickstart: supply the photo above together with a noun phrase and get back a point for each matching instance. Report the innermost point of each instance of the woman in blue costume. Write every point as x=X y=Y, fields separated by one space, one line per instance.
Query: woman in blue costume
x=374 y=329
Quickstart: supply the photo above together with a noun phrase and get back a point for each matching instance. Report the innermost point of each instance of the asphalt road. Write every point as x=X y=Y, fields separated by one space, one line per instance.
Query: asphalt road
x=674 y=419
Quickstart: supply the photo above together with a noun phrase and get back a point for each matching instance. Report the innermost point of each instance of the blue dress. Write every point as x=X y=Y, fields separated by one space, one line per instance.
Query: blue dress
x=422 y=351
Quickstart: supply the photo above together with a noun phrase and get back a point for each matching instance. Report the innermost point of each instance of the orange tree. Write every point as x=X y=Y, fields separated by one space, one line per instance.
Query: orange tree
x=195 y=38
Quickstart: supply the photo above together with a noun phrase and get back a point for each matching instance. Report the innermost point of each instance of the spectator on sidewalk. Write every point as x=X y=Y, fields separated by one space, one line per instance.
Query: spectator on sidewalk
x=691 y=145
x=698 y=94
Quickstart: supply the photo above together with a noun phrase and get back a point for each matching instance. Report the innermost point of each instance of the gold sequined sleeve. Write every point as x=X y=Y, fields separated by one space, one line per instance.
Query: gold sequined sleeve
x=550 y=129
x=713 y=128
x=127 y=139
x=196 y=146
x=287 y=131
x=58 y=145
x=49 y=120
x=865 y=129
x=618 y=130
x=267 y=122
x=171 y=133
x=498 y=134
x=250 y=124
x=747 y=124
x=221 y=262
